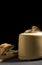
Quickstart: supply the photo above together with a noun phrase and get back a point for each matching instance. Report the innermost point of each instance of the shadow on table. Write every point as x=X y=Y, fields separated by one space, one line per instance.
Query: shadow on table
x=18 y=60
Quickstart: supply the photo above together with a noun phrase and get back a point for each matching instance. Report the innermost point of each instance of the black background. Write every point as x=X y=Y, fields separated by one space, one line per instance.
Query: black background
x=11 y=25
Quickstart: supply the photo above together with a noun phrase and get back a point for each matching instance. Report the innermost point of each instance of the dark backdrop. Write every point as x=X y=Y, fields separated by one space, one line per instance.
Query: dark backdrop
x=12 y=25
